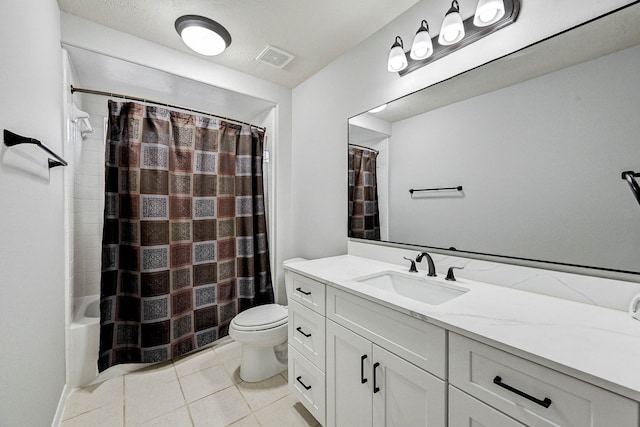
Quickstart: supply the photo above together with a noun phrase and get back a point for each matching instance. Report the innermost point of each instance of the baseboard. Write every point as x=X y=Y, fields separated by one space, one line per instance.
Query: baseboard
x=57 y=419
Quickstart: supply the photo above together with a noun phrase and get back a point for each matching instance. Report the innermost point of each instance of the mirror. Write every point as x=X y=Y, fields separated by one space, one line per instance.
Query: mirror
x=537 y=141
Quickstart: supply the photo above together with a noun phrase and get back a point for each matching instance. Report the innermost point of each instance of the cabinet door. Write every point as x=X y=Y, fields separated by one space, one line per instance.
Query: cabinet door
x=405 y=395
x=349 y=380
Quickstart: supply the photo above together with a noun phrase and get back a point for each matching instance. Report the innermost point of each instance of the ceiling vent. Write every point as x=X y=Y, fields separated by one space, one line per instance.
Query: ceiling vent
x=275 y=57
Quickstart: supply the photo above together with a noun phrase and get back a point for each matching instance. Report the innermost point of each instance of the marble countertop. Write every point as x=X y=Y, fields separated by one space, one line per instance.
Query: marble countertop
x=595 y=344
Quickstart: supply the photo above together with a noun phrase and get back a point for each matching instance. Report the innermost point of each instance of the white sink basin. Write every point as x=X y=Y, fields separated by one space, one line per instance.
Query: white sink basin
x=422 y=289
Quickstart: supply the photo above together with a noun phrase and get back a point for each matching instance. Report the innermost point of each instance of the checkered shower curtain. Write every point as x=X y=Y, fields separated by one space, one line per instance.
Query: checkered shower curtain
x=184 y=239
x=364 y=217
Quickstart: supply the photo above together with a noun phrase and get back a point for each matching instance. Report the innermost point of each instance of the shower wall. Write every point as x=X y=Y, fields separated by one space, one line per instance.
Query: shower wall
x=89 y=199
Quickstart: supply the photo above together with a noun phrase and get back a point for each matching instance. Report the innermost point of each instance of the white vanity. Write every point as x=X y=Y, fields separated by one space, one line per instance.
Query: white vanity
x=360 y=355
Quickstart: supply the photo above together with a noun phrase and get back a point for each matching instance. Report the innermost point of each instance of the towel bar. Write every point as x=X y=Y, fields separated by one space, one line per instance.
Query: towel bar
x=11 y=139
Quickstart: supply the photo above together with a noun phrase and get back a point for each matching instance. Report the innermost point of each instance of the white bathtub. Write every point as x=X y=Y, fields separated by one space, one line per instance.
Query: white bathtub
x=85 y=342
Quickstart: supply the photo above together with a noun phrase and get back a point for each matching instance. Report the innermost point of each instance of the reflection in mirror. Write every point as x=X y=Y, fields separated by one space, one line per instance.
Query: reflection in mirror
x=537 y=139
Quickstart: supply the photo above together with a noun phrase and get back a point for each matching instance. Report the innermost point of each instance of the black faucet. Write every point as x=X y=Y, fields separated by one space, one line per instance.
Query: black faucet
x=450 y=275
x=432 y=267
x=413 y=268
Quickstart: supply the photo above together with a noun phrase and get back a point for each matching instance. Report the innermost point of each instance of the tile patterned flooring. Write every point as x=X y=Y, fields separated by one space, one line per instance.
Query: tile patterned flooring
x=199 y=390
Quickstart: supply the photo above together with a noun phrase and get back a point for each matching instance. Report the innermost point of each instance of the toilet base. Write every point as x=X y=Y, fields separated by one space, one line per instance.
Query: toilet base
x=260 y=363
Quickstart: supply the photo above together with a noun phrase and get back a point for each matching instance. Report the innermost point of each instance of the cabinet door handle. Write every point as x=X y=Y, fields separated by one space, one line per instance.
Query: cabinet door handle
x=306 y=387
x=546 y=402
x=302 y=292
x=375 y=381
x=299 y=329
x=362 y=378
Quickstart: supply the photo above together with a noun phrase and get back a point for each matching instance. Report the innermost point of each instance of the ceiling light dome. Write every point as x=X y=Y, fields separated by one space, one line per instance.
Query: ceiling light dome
x=203 y=35
x=378 y=109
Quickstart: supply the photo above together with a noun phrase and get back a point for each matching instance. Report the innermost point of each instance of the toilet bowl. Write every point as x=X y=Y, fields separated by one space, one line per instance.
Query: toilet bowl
x=262 y=331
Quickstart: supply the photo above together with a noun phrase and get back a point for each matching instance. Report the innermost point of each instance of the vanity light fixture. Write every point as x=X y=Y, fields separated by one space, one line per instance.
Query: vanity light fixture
x=452 y=30
x=490 y=16
x=397 y=58
x=422 y=46
x=488 y=12
x=203 y=35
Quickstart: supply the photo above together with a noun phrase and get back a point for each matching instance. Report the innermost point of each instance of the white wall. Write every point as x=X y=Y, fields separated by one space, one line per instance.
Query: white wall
x=358 y=81
x=550 y=168
x=84 y=34
x=32 y=282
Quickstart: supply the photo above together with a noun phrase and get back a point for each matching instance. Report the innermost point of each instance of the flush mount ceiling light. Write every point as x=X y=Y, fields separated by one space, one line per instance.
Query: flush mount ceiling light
x=422 y=46
x=378 y=109
x=490 y=16
x=397 y=59
x=452 y=30
x=488 y=12
x=203 y=35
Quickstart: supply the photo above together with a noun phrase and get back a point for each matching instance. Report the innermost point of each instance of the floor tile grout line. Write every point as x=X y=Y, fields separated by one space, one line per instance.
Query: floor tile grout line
x=184 y=397
x=124 y=405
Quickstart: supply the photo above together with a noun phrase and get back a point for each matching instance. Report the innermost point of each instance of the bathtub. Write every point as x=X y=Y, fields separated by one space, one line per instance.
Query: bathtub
x=85 y=341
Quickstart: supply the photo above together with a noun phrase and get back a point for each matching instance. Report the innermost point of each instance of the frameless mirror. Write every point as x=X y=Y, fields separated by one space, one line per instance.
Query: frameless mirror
x=521 y=157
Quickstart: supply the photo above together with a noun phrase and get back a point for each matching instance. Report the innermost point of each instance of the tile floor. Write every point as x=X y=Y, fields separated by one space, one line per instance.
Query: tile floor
x=201 y=390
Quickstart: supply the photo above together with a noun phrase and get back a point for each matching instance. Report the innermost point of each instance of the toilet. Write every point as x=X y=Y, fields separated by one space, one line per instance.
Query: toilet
x=262 y=331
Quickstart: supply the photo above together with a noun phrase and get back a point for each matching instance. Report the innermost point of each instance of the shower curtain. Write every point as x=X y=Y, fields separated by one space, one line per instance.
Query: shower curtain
x=364 y=218
x=184 y=239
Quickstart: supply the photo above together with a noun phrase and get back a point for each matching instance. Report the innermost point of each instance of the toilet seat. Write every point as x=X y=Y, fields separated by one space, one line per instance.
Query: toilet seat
x=260 y=318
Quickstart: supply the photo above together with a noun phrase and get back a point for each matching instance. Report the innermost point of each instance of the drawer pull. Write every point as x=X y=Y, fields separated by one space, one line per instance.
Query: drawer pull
x=299 y=329
x=546 y=402
x=302 y=292
x=362 y=378
x=306 y=387
x=375 y=385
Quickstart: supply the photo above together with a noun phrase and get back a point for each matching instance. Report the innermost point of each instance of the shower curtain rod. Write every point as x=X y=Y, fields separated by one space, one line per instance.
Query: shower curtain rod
x=134 y=98
x=366 y=148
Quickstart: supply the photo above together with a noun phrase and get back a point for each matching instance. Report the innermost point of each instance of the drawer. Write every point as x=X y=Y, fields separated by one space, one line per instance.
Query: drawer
x=305 y=291
x=519 y=388
x=465 y=410
x=307 y=333
x=306 y=383
x=416 y=341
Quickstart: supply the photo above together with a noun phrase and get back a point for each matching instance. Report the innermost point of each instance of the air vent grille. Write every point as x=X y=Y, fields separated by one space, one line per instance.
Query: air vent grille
x=275 y=57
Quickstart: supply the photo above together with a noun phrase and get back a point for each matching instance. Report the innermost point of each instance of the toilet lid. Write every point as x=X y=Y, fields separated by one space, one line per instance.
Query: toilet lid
x=270 y=315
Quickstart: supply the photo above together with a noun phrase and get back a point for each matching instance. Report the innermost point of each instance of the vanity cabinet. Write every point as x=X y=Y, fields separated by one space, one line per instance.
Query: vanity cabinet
x=382 y=366
x=357 y=362
x=530 y=393
x=370 y=386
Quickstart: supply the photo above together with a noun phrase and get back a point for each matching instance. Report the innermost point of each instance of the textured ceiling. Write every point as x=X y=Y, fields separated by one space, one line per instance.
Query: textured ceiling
x=316 y=32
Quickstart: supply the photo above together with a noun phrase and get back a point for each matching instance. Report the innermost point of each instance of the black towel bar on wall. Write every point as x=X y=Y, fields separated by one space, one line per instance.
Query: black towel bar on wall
x=458 y=188
x=11 y=139
x=630 y=177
